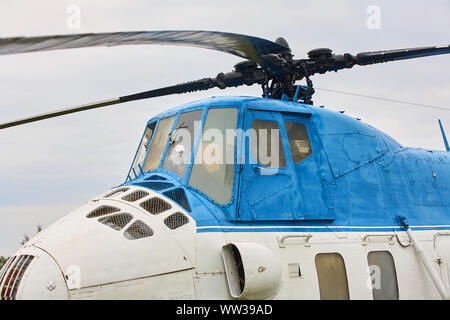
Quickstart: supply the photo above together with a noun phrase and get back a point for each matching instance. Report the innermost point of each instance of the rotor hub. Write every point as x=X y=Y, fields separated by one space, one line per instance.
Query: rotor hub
x=319 y=53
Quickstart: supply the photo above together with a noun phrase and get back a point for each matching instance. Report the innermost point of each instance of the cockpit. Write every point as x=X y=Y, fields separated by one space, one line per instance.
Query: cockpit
x=257 y=160
x=203 y=161
x=244 y=156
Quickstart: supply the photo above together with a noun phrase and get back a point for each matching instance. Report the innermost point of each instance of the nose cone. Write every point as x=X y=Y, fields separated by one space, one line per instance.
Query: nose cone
x=32 y=274
x=127 y=235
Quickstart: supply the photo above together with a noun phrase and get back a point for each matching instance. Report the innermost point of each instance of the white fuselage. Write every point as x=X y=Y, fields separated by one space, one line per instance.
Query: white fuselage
x=82 y=258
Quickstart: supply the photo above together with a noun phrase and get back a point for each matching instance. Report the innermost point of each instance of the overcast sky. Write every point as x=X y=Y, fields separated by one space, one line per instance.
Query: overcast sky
x=51 y=167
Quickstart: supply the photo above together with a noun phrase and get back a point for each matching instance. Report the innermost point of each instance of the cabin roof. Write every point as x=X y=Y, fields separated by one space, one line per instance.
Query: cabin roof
x=327 y=121
x=241 y=102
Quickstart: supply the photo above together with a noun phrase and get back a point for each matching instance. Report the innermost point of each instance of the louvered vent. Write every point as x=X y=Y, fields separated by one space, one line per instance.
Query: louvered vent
x=5 y=269
x=135 y=195
x=176 y=220
x=155 y=205
x=155 y=177
x=13 y=276
x=138 y=230
x=101 y=211
x=117 y=221
x=156 y=185
x=116 y=192
x=179 y=196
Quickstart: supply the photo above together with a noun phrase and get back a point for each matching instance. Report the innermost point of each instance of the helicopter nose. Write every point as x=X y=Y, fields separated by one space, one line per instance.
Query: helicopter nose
x=32 y=274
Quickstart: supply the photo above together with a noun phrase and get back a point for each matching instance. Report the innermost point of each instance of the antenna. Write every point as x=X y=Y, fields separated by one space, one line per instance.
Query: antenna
x=443 y=136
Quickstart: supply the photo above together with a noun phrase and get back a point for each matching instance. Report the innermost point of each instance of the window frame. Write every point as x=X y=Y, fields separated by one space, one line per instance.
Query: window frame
x=286 y=119
x=156 y=121
x=193 y=147
x=345 y=271
x=165 y=147
x=237 y=152
x=281 y=129
x=307 y=121
x=394 y=272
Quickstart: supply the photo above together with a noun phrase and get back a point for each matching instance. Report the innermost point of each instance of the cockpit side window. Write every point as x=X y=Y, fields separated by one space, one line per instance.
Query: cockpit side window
x=181 y=142
x=213 y=169
x=156 y=151
x=266 y=145
x=142 y=150
x=298 y=141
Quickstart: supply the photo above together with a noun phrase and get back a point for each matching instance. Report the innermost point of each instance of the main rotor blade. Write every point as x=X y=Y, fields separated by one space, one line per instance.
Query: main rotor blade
x=365 y=58
x=328 y=62
x=227 y=80
x=248 y=47
x=59 y=113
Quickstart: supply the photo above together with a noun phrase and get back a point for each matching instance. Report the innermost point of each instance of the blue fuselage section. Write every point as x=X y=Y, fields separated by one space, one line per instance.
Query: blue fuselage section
x=355 y=179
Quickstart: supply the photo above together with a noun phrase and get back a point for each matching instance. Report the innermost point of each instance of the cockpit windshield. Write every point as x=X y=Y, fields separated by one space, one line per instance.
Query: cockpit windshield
x=136 y=168
x=171 y=148
x=156 y=151
x=181 y=142
x=213 y=168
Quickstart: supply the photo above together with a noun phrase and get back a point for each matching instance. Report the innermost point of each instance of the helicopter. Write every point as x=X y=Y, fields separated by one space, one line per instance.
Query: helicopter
x=248 y=197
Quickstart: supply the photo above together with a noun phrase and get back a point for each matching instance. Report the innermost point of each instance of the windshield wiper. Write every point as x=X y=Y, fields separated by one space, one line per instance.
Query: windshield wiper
x=172 y=141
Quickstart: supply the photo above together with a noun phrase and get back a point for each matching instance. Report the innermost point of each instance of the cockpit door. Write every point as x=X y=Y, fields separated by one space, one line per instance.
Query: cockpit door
x=268 y=188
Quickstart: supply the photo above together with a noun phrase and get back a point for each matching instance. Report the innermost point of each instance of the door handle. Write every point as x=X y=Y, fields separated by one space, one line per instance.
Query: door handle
x=265 y=171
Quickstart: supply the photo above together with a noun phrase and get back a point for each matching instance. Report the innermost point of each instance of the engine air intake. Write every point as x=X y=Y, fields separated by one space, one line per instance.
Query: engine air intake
x=155 y=177
x=116 y=192
x=101 y=211
x=117 y=221
x=155 y=185
x=253 y=270
x=176 y=220
x=135 y=195
x=155 y=205
x=138 y=230
x=179 y=196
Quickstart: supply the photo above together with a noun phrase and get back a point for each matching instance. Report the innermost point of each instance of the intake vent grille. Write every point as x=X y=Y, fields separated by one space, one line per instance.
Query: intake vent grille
x=117 y=221
x=138 y=230
x=116 y=192
x=14 y=276
x=5 y=269
x=135 y=195
x=155 y=177
x=157 y=186
x=155 y=205
x=179 y=196
x=101 y=211
x=176 y=220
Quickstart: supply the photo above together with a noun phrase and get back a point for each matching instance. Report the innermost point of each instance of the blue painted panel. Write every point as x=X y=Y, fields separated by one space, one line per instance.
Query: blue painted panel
x=314 y=178
x=261 y=187
x=429 y=180
x=270 y=197
x=351 y=150
x=363 y=189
